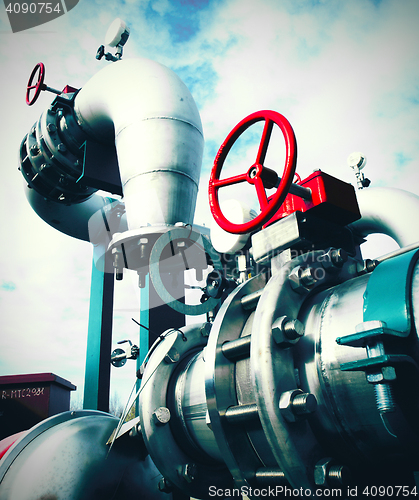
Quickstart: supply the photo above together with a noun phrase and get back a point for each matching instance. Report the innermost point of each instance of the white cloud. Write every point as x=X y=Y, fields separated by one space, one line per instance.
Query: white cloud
x=333 y=79
x=161 y=6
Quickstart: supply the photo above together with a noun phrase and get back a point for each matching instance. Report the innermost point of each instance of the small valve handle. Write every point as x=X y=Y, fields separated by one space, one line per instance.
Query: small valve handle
x=38 y=73
x=257 y=175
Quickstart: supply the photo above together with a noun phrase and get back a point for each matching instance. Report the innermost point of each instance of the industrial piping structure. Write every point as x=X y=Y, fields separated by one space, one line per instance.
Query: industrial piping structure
x=304 y=378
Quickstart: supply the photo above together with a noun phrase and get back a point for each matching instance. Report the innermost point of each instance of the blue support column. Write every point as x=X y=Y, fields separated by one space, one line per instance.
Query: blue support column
x=145 y=321
x=144 y=333
x=155 y=318
x=99 y=338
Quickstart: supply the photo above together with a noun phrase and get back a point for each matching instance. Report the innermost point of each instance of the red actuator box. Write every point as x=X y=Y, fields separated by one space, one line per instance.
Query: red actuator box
x=331 y=199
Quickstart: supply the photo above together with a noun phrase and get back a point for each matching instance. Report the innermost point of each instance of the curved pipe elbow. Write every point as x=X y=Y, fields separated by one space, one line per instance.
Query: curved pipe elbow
x=389 y=211
x=155 y=123
x=84 y=221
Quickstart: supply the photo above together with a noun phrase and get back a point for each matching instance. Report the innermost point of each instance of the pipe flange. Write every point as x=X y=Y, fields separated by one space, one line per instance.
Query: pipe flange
x=237 y=441
x=292 y=441
x=49 y=135
x=191 y=476
x=49 y=166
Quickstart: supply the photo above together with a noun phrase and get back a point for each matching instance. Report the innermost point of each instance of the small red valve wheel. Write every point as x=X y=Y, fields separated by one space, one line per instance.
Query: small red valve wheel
x=258 y=175
x=38 y=73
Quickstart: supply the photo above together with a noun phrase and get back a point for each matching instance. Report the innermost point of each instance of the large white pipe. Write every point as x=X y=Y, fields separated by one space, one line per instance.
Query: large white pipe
x=389 y=211
x=157 y=129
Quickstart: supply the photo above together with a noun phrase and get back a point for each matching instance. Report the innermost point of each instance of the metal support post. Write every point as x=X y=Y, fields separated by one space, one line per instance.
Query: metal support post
x=99 y=339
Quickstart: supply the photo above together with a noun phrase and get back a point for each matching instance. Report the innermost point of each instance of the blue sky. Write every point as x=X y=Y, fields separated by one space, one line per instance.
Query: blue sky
x=345 y=74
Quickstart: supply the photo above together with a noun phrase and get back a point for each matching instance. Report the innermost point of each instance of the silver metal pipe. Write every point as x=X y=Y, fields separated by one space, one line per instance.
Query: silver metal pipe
x=191 y=407
x=72 y=220
x=388 y=211
x=155 y=123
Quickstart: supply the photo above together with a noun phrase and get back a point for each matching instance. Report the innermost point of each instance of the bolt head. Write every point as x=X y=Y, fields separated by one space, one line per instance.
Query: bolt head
x=51 y=128
x=161 y=416
x=334 y=259
x=172 y=356
x=253 y=172
x=189 y=472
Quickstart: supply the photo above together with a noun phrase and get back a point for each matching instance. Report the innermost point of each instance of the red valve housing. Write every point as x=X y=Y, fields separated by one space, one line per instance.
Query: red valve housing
x=331 y=199
x=68 y=89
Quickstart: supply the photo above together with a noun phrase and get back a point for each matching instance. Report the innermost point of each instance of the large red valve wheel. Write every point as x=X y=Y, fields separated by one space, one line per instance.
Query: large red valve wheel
x=257 y=174
x=38 y=73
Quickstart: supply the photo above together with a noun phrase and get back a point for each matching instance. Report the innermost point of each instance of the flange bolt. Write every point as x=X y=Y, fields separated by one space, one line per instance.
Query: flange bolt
x=294 y=405
x=304 y=404
x=287 y=331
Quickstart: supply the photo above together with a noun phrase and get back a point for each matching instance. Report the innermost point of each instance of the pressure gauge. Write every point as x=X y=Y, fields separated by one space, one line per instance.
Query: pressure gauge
x=357 y=160
x=117 y=34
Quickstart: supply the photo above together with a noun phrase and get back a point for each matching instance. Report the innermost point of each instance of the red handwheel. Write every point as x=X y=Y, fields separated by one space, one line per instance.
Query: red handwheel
x=258 y=175
x=38 y=72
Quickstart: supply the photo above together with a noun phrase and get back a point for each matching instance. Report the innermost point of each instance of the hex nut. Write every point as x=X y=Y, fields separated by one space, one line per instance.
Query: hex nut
x=165 y=486
x=286 y=331
x=366 y=266
x=334 y=259
x=383 y=374
x=188 y=472
x=294 y=277
x=302 y=279
x=328 y=473
x=285 y=405
x=51 y=128
x=205 y=329
x=321 y=470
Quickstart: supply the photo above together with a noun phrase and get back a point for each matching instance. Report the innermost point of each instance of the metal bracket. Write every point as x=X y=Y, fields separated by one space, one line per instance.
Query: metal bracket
x=378 y=362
